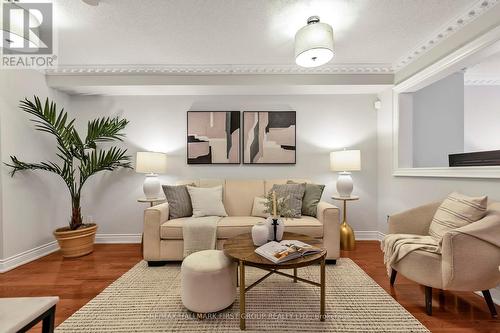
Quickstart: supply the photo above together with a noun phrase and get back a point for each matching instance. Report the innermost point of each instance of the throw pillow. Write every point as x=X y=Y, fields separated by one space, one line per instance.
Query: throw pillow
x=259 y=207
x=312 y=196
x=294 y=193
x=207 y=201
x=179 y=201
x=456 y=211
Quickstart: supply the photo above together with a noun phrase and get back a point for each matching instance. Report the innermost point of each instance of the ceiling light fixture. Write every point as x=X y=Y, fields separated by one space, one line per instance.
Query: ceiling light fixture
x=314 y=43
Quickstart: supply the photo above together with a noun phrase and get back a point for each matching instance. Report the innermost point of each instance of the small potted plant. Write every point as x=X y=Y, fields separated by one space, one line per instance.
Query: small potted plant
x=79 y=159
x=277 y=207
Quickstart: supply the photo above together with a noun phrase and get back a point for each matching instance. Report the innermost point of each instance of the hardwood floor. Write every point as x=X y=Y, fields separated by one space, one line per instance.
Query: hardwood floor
x=77 y=281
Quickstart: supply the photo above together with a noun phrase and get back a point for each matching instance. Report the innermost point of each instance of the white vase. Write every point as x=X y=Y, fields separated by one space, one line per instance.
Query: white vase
x=260 y=232
x=280 y=229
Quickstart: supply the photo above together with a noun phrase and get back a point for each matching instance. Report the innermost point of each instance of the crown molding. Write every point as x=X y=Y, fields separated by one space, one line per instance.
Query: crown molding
x=453 y=26
x=218 y=69
x=482 y=81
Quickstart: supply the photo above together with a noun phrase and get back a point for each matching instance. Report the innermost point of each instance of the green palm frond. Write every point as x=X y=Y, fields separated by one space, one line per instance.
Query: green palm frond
x=105 y=129
x=73 y=150
x=50 y=121
x=45 y=166
x=101 y=160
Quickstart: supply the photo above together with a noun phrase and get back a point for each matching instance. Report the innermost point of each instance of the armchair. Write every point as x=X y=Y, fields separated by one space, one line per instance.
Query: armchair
x=466 y=263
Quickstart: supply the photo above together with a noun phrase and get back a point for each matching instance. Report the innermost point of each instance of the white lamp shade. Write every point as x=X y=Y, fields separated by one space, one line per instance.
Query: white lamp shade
x=314 y=45
x=151 y=162
x=345 y=160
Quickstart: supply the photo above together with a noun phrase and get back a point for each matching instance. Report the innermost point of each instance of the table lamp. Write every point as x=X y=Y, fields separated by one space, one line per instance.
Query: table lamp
x=151 y=164
x=345 y=161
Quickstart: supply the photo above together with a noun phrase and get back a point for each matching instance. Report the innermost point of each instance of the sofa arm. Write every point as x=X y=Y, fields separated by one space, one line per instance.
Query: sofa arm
x=415 y=221
x=328 y=215
x=470 y=263
x=154 y=217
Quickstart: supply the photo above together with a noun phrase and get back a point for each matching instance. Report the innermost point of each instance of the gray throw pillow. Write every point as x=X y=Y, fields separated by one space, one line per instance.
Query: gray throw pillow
x=294 y=192
x=312 y=197
x=179 y=201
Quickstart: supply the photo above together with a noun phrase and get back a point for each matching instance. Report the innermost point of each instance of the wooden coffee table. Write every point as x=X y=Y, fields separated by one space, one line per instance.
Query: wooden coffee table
x=241 y=249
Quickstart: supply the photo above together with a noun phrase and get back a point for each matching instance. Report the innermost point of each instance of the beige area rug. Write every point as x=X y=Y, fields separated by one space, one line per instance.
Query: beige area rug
x=146 y=299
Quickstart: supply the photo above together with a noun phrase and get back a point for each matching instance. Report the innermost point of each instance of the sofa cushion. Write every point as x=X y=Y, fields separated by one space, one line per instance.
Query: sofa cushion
x=306 y=225
x=179 y=201
x=312 y=196
x=239 y=196
x=293 y=194
x=268 y=184
x=259 y=207
x=207 y=201
x=235 y=225
x=226 y=227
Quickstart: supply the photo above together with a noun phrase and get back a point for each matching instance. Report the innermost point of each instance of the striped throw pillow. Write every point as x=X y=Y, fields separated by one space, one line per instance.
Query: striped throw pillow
x=456 y=211
x=179 y=201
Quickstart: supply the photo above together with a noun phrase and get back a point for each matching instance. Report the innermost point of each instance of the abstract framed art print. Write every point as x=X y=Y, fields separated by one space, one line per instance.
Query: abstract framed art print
x=269 y=137
x=213 y=137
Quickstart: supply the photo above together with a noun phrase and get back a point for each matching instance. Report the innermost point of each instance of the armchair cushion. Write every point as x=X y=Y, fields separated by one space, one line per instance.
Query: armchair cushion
x=456 y=211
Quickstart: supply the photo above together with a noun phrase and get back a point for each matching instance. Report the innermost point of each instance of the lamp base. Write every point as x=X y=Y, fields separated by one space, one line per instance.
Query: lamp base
x=151 y=186
x=344 y=184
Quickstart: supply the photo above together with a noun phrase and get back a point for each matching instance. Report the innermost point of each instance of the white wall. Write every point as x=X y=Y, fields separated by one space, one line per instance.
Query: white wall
x=324 y=123
x=438 y=121
x=405 y=155
x=33 y=204
x=482 y=118
x=396 y=194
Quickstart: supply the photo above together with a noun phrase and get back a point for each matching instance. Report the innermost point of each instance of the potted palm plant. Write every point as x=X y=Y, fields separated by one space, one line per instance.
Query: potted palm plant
x=78 y=160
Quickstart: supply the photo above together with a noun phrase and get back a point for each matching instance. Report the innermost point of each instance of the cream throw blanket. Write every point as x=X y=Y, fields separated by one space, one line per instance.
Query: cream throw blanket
x=199 y=233
x=397 y=246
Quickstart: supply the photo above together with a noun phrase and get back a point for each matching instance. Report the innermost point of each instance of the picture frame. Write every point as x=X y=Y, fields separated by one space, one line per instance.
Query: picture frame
x=269 y=137
x=213 y=137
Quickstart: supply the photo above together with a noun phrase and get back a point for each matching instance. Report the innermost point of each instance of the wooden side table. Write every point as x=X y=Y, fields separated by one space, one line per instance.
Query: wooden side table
x=347 y=239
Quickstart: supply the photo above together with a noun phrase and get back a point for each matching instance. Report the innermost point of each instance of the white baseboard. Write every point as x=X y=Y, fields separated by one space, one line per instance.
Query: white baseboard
x=25 y=257
x=369 y=235
x=41 y=251
x=118 y=238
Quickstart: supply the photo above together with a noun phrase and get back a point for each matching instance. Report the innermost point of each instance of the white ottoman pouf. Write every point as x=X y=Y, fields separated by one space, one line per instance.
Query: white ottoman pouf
x=208 y=281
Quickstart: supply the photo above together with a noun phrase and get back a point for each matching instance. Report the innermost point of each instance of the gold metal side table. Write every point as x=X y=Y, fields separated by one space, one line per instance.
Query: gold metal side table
x=347 y=239
x=152 y=201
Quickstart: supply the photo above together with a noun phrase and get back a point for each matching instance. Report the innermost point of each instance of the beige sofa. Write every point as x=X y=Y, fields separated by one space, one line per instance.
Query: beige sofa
x=163 y=237
x=466 y=263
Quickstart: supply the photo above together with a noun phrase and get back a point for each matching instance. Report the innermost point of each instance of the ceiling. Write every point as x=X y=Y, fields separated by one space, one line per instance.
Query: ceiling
x=258 y=32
